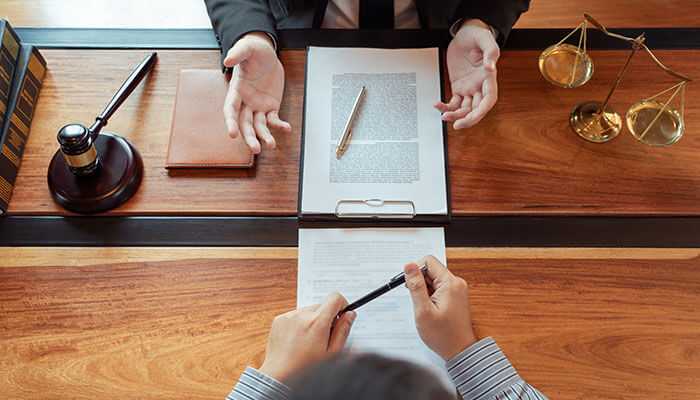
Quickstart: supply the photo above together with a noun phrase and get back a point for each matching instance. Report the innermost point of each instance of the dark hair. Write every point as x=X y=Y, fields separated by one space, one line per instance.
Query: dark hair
x=367 y=377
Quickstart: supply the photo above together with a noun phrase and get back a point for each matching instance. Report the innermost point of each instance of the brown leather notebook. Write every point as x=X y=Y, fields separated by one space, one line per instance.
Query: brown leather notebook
x=198 y=137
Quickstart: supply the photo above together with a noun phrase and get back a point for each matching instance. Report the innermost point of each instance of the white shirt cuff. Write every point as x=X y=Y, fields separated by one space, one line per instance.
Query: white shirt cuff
x=455 y=27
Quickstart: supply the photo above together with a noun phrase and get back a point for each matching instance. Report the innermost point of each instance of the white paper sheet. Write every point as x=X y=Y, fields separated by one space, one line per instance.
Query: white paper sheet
x=357 y=261
x=396 y=151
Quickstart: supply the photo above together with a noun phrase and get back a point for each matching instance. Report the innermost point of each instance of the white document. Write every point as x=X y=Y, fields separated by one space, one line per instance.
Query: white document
x=357 y=261
x=396 y=152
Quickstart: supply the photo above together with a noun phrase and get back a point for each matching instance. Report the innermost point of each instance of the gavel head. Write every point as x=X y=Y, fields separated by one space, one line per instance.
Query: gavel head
x=93 y=171
x=78 y=149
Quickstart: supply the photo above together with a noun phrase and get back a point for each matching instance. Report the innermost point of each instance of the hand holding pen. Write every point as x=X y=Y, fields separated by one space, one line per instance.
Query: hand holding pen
x=305 y=336
x=394 y=282
x=302 y=337
x=440 y=304
x=441 y=308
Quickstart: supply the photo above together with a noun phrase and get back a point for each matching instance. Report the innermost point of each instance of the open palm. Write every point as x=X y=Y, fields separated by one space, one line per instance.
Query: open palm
x=255 y=91
x=471 y=64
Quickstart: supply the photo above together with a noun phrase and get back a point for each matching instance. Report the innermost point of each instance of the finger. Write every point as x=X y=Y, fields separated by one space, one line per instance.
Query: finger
x=489 y=49
x=232 y=110
x=430 y=283
x=476 y=100
x=240 y=52
x=246 y=120
x=437 y=272
x=454 y=102
x=262 y=131
x=296 y=312
x=313 y=307
x=419 y=290
x=462 y=111
x=341 y=331
x=333 y=305
x=451 y=106
x=490 y=96
x=273 y=119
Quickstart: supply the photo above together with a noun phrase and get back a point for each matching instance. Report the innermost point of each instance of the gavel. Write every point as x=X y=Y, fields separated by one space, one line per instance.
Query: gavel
x=94 y=171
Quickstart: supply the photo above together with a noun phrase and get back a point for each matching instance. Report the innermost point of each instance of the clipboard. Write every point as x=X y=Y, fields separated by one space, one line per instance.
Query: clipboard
x=403 y=211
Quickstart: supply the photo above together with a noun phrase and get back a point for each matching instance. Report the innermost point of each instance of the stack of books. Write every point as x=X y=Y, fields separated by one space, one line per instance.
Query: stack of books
x=22 y=70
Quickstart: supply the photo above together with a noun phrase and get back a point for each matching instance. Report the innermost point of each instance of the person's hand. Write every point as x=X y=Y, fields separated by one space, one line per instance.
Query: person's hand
x=306 y=336
x=255 y=92
x=441 y=307
x=471 y=64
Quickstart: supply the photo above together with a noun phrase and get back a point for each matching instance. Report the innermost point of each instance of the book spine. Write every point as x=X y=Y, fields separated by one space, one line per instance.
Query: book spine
x=9 y=51
x=29 y=75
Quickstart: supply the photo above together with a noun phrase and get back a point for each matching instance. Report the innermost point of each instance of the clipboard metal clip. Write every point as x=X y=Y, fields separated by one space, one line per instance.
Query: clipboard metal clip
x=364 y=209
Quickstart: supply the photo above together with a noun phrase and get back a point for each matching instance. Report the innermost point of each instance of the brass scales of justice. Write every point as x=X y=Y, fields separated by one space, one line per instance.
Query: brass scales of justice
x=651 y=121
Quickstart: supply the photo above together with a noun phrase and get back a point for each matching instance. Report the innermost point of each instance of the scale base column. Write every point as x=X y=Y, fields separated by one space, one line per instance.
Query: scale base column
x=589 y=123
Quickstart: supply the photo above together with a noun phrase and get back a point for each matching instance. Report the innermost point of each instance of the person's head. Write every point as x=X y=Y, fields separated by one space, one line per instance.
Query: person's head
x=367 y=377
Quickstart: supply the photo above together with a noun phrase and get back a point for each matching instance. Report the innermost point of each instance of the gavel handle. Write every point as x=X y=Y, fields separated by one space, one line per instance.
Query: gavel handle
x=123 y=93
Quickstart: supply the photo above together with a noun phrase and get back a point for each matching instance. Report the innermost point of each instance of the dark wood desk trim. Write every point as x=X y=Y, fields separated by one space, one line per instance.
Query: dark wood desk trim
x=481 y=231
x=204 y=39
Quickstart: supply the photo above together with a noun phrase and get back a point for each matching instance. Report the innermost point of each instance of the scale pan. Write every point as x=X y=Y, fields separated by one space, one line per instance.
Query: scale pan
x=566 y=66
x=666 y=130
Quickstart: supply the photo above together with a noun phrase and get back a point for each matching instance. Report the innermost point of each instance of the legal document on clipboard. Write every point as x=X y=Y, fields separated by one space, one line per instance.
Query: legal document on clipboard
x=395 y=162
x=356 y=261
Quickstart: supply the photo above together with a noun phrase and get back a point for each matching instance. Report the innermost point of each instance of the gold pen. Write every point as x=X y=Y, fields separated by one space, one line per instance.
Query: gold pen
x=344 y=140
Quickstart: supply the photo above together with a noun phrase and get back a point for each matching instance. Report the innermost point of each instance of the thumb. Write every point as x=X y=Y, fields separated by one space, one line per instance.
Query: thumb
x=490 y=50
x=240 y=52
x=415 y=281
x=341 y=331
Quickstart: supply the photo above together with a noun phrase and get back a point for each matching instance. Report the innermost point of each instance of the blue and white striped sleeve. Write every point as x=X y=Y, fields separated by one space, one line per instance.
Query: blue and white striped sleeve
x=482 y=372
x=254 y=385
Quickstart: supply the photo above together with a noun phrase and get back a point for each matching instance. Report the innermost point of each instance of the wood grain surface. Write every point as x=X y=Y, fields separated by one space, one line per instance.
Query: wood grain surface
x=521 y=159
x=618 y=13
x=106 y=13
x=72 y=93
x=182 y=324
x=192 y=13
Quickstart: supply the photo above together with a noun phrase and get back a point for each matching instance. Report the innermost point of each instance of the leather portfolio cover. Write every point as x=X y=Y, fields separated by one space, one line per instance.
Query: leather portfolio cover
x=198 y=137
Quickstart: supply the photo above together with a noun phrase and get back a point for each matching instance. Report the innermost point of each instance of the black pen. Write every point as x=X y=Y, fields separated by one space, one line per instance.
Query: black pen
x=396 y=281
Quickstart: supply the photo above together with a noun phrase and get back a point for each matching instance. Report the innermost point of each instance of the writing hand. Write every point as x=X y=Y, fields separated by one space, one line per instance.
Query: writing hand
x=255 y=91
x=303 y=337
x=471 y=64
x=441 y=308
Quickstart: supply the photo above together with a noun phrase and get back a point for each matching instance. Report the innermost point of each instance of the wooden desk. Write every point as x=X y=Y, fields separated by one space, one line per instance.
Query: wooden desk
x=521 y=159
x=182 y=323
x=192 y=13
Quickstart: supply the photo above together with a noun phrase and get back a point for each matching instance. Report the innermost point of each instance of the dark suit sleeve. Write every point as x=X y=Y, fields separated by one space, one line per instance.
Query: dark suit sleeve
x=500 y=14
x=234 y=18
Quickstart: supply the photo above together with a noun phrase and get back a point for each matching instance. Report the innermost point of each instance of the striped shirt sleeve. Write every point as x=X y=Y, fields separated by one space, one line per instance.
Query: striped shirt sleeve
x=254 y=385
x=482 y=372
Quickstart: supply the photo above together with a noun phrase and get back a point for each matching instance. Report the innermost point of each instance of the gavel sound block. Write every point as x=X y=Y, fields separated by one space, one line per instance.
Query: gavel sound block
x=95 y=171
